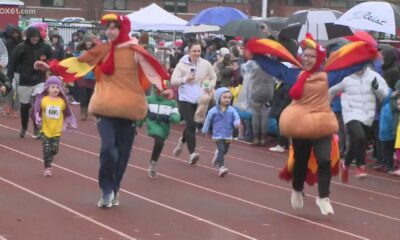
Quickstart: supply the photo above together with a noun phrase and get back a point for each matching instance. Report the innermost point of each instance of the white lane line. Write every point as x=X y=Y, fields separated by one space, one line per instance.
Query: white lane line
x=2 y=238
x=230 y=196
x=139 y=196
x=249 y=179
x=255 y=180
x=247 y=161
x=62 y=206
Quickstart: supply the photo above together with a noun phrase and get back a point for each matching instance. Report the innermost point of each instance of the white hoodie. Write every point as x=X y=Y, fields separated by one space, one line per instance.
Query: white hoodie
x=190 y=91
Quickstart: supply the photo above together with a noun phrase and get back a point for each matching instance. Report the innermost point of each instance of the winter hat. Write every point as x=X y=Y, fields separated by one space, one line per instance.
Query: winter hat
x=224 y=51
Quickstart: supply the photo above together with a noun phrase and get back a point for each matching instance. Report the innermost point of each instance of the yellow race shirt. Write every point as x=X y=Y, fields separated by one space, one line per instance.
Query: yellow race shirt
x=52 y=116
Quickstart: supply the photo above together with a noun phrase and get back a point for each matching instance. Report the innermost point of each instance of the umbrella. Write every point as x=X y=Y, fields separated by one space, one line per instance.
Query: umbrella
x=313 y=21
x=246 y=28
x=218 y=16
x=202 y=28
x=374 y=16
x=276 y=23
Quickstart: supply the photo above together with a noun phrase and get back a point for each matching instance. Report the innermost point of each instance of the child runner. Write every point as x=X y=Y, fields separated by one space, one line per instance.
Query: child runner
x=53 y=114
x=162 y=112
x=222 y=119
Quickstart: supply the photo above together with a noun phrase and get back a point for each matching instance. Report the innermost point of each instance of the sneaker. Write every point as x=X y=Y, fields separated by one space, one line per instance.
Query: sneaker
x=297 y=199
x=106 y=200
x=214 y=160
x=194 y=157
x=256 y=142
x=22 y=133
x=47 y=172
x=36 y=134
x=277 y=148
x=379 y=168
x=178 y=149
x=222 y=171
x=115 y=200
x=152 y=169
x=324 y=205
x=344 y=173
x=396 y=173
x=360 y=172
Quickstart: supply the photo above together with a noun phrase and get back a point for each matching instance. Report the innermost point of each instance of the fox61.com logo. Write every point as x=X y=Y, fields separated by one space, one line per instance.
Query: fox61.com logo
x=16 y=11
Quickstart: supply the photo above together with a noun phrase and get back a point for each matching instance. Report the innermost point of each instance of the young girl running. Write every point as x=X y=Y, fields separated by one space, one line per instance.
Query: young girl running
x=53 y=114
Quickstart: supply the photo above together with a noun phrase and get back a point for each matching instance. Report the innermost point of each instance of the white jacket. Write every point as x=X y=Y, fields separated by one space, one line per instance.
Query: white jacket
x=190 y=91
x=358 y=97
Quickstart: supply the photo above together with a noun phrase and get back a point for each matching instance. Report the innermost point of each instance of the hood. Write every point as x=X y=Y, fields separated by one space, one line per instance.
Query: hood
x=53 y=80
x=186 y=59
x=219 y=92
x=10 y=29
x=33 y=32
x=389 y=57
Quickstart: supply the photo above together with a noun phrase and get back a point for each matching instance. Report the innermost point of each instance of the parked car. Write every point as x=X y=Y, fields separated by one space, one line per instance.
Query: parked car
x=72 y=20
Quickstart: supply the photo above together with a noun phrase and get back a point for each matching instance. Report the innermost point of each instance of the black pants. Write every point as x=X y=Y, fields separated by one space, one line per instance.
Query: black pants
x=157 y=148
x=387 y=152
x=322 y=150
x=24 y=111
x=50 y=149
x=86 y=94
x=187 y=110
x=358 y=140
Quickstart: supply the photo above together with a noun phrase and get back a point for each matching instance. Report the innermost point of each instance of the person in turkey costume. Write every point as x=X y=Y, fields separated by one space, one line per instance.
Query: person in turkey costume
x=309 y=120
x=124 y=71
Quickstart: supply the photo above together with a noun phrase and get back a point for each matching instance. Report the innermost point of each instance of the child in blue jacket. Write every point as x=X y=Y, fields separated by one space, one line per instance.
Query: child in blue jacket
x=222 y=119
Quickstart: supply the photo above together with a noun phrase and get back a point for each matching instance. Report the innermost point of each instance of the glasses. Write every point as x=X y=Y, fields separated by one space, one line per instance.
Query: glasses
x=309 y=56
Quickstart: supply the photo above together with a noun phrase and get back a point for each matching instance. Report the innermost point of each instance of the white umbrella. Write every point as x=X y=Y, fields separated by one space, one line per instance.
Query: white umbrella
x=374 y=16
x=202 y=28
x=312 y=21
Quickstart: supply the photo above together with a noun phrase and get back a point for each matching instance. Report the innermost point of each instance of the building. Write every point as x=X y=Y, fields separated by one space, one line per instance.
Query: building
x=9 y=12
x=94 y=9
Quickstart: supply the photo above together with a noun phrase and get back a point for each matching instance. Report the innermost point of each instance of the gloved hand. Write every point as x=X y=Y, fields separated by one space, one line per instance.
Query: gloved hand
x=375 y=84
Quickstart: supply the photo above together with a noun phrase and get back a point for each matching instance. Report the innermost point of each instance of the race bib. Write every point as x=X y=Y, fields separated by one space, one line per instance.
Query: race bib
x=53 y=112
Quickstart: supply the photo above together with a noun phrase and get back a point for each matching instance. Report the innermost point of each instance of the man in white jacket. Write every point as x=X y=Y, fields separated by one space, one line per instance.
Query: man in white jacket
x=359 y=93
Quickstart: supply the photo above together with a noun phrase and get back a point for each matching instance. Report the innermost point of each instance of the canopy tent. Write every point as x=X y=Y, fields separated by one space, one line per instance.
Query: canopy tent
x=154 y=17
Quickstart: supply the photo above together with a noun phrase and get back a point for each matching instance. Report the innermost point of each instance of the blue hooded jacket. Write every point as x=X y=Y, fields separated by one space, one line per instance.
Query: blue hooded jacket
x=221 y=122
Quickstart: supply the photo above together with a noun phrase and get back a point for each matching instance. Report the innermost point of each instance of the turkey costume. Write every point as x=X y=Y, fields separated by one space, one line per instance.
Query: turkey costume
x=309 y=120
x=123 y=71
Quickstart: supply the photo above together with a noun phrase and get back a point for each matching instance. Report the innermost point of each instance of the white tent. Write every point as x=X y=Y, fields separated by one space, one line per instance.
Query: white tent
x=154 y=17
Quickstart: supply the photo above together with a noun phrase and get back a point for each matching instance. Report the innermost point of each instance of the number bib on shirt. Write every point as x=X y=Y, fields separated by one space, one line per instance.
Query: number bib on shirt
x=53 y=112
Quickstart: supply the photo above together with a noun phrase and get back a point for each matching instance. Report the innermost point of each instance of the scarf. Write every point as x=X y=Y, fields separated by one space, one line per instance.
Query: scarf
x=108 y=66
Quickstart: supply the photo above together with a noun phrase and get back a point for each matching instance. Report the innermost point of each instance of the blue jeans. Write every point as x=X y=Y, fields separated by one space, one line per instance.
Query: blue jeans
x=117 y=136
x=223 y=148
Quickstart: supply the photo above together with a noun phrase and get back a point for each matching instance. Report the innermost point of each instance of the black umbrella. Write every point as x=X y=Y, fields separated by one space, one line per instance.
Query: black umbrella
x=332 y=31
x=246 y=28
x=313 y=21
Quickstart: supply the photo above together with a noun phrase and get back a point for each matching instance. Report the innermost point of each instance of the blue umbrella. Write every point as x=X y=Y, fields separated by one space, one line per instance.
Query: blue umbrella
x=218 y=16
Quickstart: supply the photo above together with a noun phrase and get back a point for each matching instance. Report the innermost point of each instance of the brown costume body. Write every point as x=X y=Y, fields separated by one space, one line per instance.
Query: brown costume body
x=119 y=95
x=311 y=116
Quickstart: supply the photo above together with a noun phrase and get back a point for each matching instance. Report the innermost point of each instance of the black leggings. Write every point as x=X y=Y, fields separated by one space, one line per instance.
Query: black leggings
x=157 y=148
x=24 y=111
x=187 y=110
x=322 y=150
x=358 y=140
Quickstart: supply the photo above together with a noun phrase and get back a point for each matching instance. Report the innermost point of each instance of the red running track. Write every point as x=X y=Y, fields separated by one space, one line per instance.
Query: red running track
x=183 y=202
